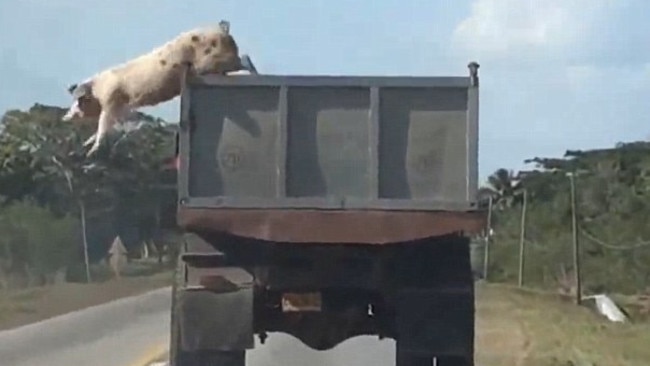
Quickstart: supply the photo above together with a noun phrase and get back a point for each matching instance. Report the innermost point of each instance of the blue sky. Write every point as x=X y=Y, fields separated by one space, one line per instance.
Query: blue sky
x=556 y=74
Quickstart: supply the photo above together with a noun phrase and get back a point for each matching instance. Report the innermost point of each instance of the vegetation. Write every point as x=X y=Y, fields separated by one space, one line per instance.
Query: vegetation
x=613 y=206
x=58 y=208
x=47 y=183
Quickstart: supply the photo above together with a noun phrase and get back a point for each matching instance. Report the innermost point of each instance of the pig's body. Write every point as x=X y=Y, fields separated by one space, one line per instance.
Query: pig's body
x=152 y=78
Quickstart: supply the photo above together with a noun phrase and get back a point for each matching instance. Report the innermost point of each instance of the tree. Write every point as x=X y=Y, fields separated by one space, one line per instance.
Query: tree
x=36 y=253
x=139 y=190
x=613 y=204
x=56 y=158
x=505 y=188
x=43 y=160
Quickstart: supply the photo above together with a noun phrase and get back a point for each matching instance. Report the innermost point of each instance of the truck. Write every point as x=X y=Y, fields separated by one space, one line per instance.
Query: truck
x=326 y=207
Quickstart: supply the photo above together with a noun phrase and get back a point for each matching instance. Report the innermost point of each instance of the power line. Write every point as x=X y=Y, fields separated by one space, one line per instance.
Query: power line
x=593 y=238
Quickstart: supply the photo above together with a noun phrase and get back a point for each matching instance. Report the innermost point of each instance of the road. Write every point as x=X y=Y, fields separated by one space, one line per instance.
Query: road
x=500 y=341
x=129 y=332
x=120 y=333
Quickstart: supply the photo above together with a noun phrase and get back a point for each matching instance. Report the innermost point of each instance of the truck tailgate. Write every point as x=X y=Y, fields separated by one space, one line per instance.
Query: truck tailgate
x=349 y=146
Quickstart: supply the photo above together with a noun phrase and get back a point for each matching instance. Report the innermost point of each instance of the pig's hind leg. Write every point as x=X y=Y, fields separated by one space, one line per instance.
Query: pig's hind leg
x=90 y=140
x=108 y=118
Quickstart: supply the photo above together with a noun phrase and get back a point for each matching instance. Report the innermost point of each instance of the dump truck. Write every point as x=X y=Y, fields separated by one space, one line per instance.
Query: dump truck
x=326 y=207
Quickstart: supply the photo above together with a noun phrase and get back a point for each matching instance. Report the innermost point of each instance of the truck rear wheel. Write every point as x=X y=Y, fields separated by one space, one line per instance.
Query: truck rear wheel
x=407 y=359
x=179 y=357
x=453 y=361
x=212 y=358
x=175 y=341
x=436 y=319
x=417 y=360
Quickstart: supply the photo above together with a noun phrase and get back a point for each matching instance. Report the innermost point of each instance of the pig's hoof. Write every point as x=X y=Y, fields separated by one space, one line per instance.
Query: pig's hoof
x=90 y=140
x=93 y=150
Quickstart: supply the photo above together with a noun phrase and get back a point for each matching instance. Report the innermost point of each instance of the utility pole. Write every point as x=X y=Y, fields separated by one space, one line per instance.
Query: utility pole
x=82 y=212
x=486 y=258
x=522 y=240
x=576 y=241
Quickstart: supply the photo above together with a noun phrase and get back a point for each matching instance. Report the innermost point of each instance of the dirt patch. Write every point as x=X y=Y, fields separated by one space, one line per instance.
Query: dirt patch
x=500 y=337
x=28 y=306
x=518 y=327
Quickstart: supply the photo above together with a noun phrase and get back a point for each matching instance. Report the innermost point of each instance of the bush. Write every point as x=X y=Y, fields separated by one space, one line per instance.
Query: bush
x=35 y=241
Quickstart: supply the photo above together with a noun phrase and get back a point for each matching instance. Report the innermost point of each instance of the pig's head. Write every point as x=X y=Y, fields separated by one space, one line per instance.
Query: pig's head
x=224 y=52
x=84 y=104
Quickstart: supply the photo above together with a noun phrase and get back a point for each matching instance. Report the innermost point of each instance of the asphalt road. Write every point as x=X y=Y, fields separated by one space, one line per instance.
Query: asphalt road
x=129 y=332
x=283 y=350
x=132 y=331
x=120 y=333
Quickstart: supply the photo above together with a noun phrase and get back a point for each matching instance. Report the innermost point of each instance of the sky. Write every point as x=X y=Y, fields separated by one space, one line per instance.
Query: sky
x=555 y=74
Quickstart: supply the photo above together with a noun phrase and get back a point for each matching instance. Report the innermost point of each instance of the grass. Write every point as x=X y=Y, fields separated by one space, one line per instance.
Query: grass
x=524 y=327
x=12 y=303
x=20 y=307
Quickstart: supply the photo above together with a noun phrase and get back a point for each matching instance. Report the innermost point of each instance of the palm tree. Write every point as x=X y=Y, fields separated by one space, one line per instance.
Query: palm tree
x=505 y=188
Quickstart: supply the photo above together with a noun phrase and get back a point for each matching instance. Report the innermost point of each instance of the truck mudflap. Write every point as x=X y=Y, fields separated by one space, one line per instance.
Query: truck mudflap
x=219 y=321
x=214 y=305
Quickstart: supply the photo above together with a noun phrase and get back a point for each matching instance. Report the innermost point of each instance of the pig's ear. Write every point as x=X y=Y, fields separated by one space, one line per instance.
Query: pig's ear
x=225 y=26
x=72 y=88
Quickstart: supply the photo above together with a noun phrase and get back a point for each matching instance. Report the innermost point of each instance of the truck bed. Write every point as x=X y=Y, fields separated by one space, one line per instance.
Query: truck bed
x=329 y=159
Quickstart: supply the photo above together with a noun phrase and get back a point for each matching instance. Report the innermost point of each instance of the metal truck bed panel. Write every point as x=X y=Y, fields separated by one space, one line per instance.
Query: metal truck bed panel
x=358 y=143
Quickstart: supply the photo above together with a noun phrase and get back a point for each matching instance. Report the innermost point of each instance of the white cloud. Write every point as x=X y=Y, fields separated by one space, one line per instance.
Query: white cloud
x=556 y=74
x=497 y=29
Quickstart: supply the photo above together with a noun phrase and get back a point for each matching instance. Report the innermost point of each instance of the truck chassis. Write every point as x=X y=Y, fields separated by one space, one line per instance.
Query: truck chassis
x=323 y=294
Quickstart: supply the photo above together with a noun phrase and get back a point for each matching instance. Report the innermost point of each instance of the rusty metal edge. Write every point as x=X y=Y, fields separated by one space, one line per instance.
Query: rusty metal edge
x=332 y=226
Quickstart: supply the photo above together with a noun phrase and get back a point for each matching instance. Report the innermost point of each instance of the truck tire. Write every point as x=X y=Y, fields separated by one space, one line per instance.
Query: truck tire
x=453 y=361
x=212 y=358
x=406 y=359
x=436 y=319
x=417 y=360
x=175 y=342
x=178 y=357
